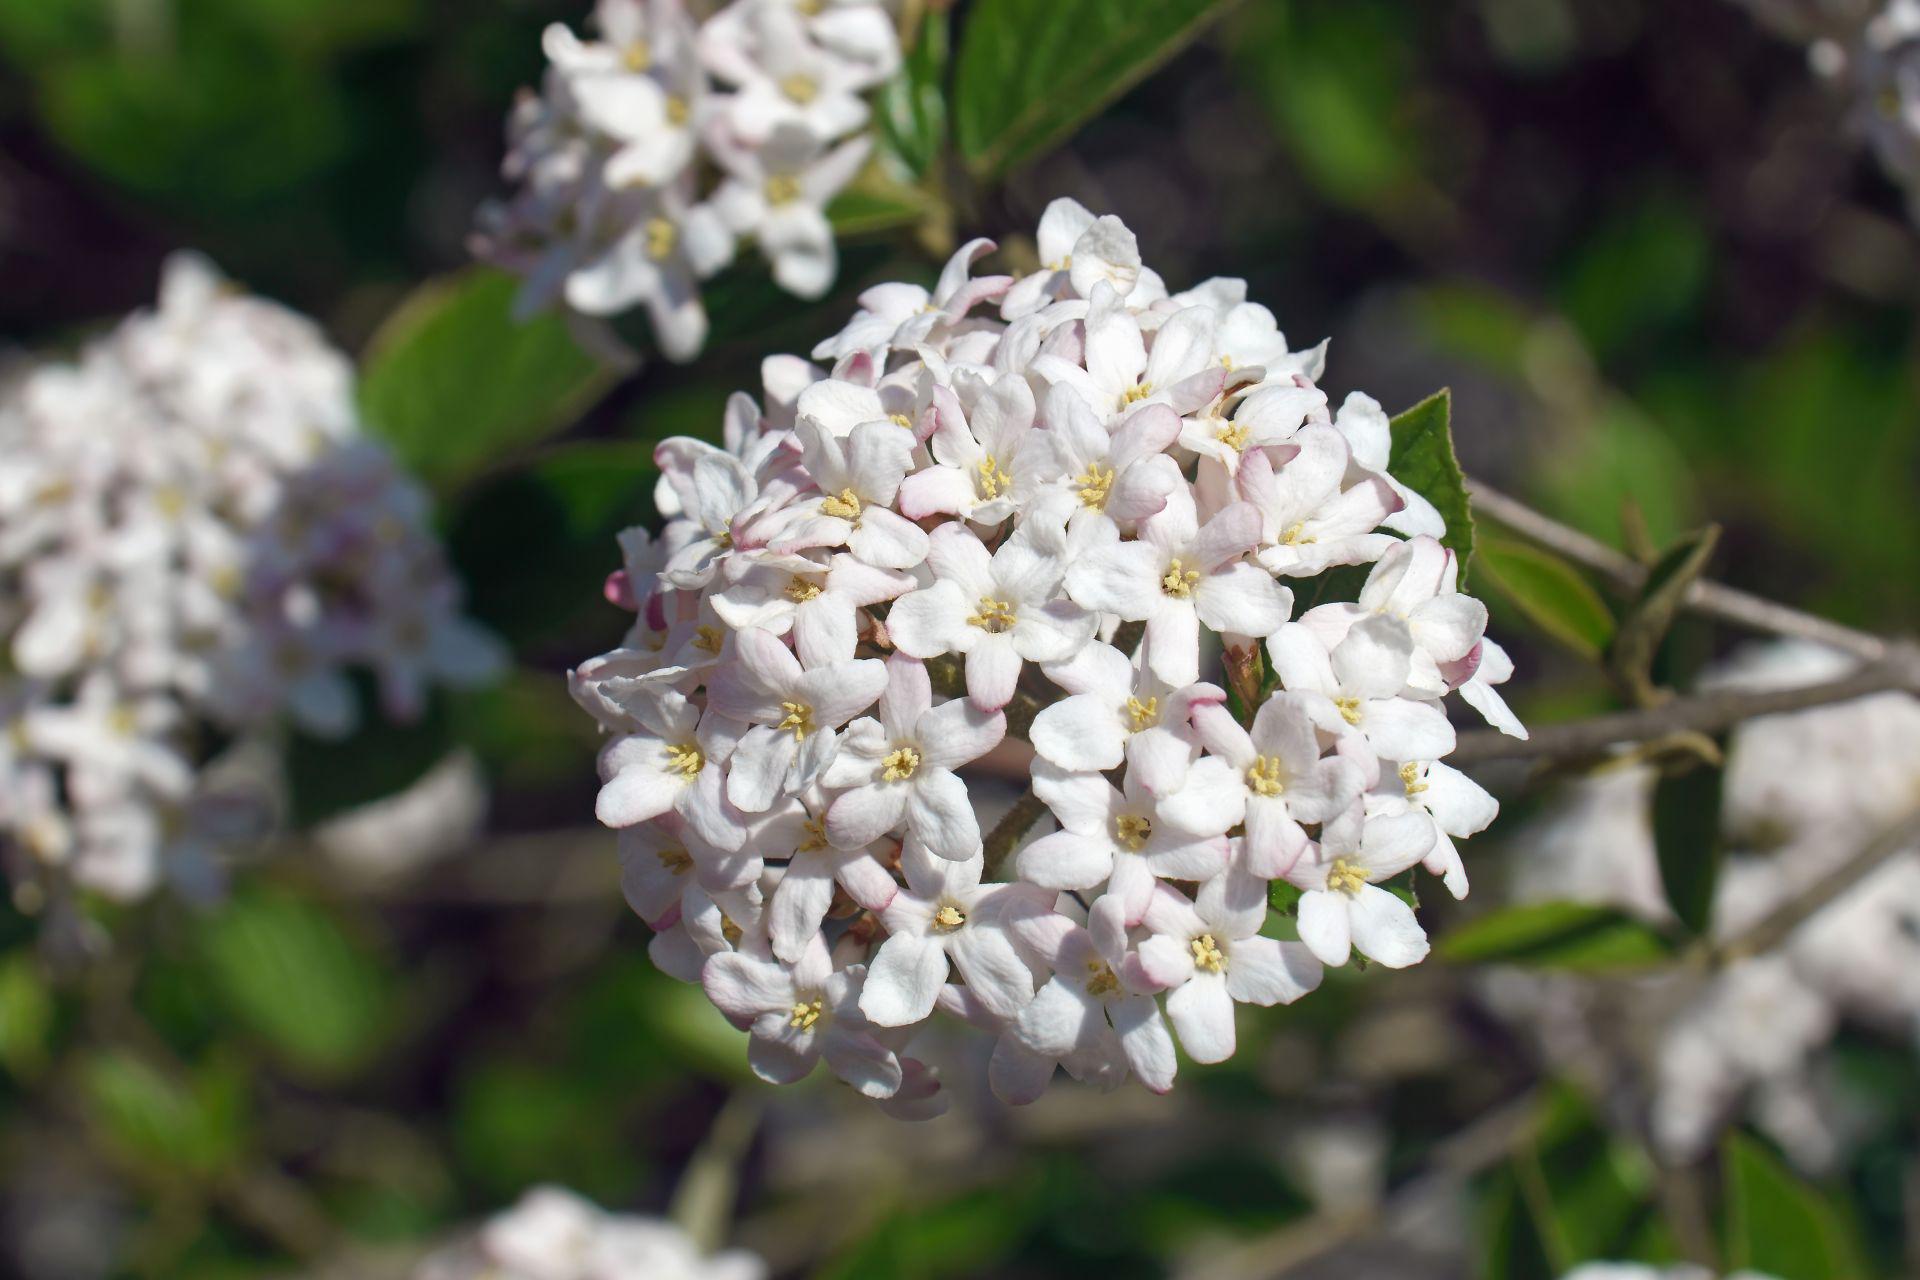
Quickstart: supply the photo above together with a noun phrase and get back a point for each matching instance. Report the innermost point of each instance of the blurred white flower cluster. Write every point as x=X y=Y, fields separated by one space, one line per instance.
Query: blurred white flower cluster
x=987 y=503
x=554 y=1234
x=652 y=147
x=1803 y=793
x=1645 y=1271
x=195 y=543
x=1869 y=50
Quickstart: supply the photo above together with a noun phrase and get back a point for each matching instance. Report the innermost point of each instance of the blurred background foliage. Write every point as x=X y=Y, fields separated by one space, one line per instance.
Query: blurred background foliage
x=1629 y=234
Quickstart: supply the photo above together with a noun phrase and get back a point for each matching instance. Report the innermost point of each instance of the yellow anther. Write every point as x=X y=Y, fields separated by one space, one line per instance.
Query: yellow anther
x=1232 y=435
x=675 y=860
x=722 y=538
x=844 y=505
x=1179 y=581
x=1263 y=776
x=731 y=931
x=782 y=188
x=799 y=719
x=1062 y=264
x=1410 y=778
x=1142 y=715
x=685 y=759
x=813 y=836
x=1136 y=393
x=900 y=765
x=123 y=721
x=805 y=1014
x=1349 y=708
x=800 y=590
x=809 y=8
x=1293 y=535
x=994 y=616
x=1101 y=979
x=1226 y=362
x=1096 y=482
x=992 y=478
x=662 y=236
x=1345 y=877
x=800 y=89
x=900 y=420
x=637 y=57
x=1207 y=954
x=170 y=501
x=1131 y=831
x=678 y=109
x=949 y=918
x=708 y=637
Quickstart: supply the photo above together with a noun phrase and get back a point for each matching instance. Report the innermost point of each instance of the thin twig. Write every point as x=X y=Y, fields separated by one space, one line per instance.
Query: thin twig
x=1006 y=833
x=1709 y=599
x=1700 y=713
x=1775 y=927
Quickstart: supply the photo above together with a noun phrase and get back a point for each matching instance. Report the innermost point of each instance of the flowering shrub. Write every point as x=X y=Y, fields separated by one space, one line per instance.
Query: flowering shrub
x=1044 y=520
x=196 y=542
x=553 y=1234
x=651 y=148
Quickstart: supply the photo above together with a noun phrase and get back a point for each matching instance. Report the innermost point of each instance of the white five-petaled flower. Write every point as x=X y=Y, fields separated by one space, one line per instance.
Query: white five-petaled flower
x=801 y=1012
x=1356 y=689
x=794 y=710
x=991 y=461
x=676 y=761
x=1413 y=582
x=1111 y=703
x=1310 y=520
x=1342 y=905
x=858 y=478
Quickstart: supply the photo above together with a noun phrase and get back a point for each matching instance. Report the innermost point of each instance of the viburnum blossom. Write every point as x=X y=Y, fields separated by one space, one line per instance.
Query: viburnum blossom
x=1045 y=523
x=651 y=148
x=197 y=545
x=553 y=1234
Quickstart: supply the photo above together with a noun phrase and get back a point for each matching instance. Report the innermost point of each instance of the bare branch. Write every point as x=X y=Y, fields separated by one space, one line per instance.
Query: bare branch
x=1774 y=928
x=1006 y=833
x=1709 y=599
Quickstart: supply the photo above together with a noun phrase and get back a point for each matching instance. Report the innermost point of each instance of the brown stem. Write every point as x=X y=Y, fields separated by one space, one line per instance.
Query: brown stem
x=1006 y=833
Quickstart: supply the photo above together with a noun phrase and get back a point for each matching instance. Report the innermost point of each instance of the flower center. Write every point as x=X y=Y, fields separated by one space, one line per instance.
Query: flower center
x=900 y=420
x=948 y=918
x=1349 y=708
x=678 y=109
x=900 y=765
x=637 y=57
x=845 y=505
x=1264 y=777
x=1096 y=482
x=805 y=1014
x=685 y=759
x=1207 y=954
x=1232 y=435
x=1345 y=877
x=731 y=931
x=994 y=616
x=1101 y=979
x=1136 y=393
x=799 y=590
x=799 y=719
x=782 y=188
x=800 y=89
x=1410 y=778
x=993 y=479
x=1180 y=580
x=813 y=837
x=662 y=236
x=1142 y=715
x=1130 y=831
x=1293 y=535
x=675 y=860
x=708 y=637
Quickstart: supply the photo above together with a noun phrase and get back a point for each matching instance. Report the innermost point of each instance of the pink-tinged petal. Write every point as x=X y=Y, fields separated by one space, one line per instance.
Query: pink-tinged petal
x=757 y=773
x=1373 y=660
x=1055 y=1020
x=908 y=694
x=839 y=692
x=1444 y=860
x=867 y=882
x=994 y=971
x=864 y=814
x=1385 y=930
x=1402 y=729
x=1121 y=578
x=870 y=1067
x=954 y=733
x=929 y=622
x=1145 y=1040
x=1222 y=735
x=1065 y=860
x=800 y=903
x=936 y=491
x=1202 y=1012
x=1142 y=489
x=1082 y=733
x=636 y=794
x=1212 y=799
x=1054 y=631
x=904 y=980
x=1301 y=661
x=1184 y=859
x=887 y=540
x=1265 y=972
x=745 y=986
x=1146 y=433
x=940 y=816
x=1017 y=1074
x=713 y=817
x=1172 y=643
x=1274 y=841
x=993 y=672
x=825 y=630
x=1242 y=599
x=1232 y=532
x=1165 y=961
x=1157 y=763
x=1082 y=802
x=1324 y=926
x=955 y=554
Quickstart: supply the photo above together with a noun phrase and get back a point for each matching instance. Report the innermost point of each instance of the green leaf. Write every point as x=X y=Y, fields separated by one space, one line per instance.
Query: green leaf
x=289 y=973
x=26 y=1014
x=1552 y=594
x=154 y=1118
x=329 y=776
x=1630 y=656
x=1778 y=1224
x=453 y=383
x=1423 y=460
x=912 y=107
x=1556 y=935
x=1686 y=832
x=1031 y=73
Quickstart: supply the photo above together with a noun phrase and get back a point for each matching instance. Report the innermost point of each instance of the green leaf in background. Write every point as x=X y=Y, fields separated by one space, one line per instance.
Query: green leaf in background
x=382 y=757
x=1778 y=1224
x=453 y=383
x=1031 y=73
x=1641 y=274
x=26 y=1014
x=1423 y=460
x=912 y=107
x=1590 y=1194
x=1686 y=831
x=1637 y=642
x=1571 y=936
x=1552 y=594
x=289 y=973
x=153 y=1118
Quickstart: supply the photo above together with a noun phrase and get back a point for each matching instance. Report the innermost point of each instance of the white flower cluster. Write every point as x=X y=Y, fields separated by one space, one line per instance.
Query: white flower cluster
x=651 y=148
x=994 y=501
x=553 y=1234
x=1646 y=1271
x=195 y=541
x=1869 y=50
x=1803 y=793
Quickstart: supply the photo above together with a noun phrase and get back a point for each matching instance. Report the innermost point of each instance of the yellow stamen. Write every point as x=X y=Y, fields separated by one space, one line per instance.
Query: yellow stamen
x=799 y=719
x=1130 y=831
x=800 y=89
x=948 y=918
x=637 y=57
x=662 y=236
x=1142 y=715
x=844 y=505
x=1292 y=536
x=686 y=760
x=1101 y=979
x=123 y=721
x=1232 y=435
x=994 y=616
x=1345 y=877
x=900 y=420
x=992 y=478
x=1096 y=482
x=1263 y=776
x=813 y=836
x=1410 y=778
x=799 y=590
x=708 y=637
x=1180 y=580
x=1349 y=708
x=678 y=109
x=902 y=764
x=675 y=860
x=805 y=1014
x=1207 y=954
x=731 y=931
x=1136 y=393
x=782 y=188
